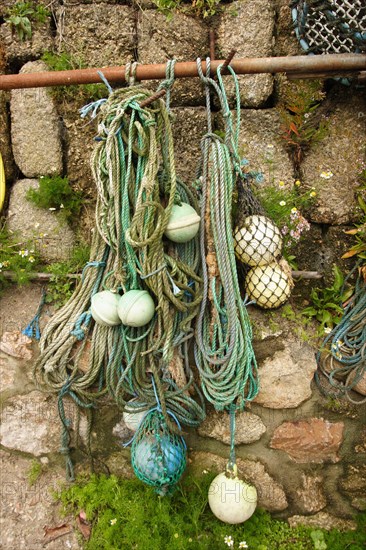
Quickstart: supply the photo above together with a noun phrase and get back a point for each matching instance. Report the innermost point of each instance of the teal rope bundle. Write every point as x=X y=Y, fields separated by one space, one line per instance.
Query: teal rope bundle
x=134 y=172
x=223 y=349
x=343 y=364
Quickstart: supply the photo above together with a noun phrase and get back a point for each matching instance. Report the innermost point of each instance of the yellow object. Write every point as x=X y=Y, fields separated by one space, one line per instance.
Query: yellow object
x=2 y=183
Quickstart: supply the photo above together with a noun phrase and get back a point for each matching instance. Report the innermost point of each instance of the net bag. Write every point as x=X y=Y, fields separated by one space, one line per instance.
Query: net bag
x=330 y=26
x=158 y=456
x=258 y=241
x=268 y=285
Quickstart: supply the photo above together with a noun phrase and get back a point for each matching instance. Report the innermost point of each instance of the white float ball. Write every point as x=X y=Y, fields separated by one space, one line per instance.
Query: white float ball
x=136 y=308
x=268 y=285
x=258 y=242
x=183 y=223
x=231 y=499
x=104 y=306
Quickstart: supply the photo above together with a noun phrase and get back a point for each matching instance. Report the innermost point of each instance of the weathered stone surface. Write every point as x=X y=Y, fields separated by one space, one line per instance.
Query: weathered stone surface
x=241 y=29
x=120 y=466
x=324 y=521
x=98 y=35
x=18 y=305
x=271 y=495
x=44 y=230
x=30 y=423
x=35 y=129
x=16 y=344
x=5 y=145
x=121 y=431
x=188 y=125
x=360 y=387
x=354 y=485
x=7 y=373
x=286 y=376
x=310 y=496
x=340 y=154
x=248 y=428
x=310 y=440
x=183 y=38
x=30 y=48
x=26 y=510
x=260 y=142
x=286 y=42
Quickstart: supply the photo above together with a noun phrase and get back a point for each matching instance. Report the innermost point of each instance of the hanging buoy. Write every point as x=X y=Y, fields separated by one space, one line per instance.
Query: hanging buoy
x=258 y=242
x=183 y=223
x=231 y=499
x=104 y=306
x=136 y=308
x=268 y=285
x=133 y=415
x=159 y=458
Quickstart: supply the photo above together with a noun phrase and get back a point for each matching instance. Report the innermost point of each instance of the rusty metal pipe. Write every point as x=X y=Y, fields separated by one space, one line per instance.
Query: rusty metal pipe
x=300 y=65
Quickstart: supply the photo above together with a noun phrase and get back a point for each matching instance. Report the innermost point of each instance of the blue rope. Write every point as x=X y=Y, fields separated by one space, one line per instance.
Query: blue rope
x=32 y=330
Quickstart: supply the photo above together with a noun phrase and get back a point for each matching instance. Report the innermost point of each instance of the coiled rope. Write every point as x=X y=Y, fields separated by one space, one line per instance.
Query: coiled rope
x=223 y=349
x=134 y=172
x=343 y=364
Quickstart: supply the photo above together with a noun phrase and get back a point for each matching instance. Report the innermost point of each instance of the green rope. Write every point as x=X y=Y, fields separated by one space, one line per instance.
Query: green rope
x=134 y=172
x=346 y=346
x=223 y=349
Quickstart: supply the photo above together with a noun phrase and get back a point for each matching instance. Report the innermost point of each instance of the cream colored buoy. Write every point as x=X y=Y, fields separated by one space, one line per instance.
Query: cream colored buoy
x=231 y=499
x=258 y=242
x=183 y=223
x=268 y=285
x=136 y=308
x=104 y=306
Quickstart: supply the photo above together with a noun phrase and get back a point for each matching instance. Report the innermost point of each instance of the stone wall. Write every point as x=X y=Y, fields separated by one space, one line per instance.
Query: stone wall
x=304 y=454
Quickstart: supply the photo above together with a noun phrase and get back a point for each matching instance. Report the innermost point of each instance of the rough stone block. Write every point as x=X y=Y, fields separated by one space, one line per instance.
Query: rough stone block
x=353 y=483
x=285 y=377
x=286 y=42
x=188 y=126
x=45 y=231
x=5 y=145
x=31 y=424
x=183 y=38
x=310 y=496
x=23 y=50
x=311 y=440
x=35 y=129
x=249 y=427
x=271 y=495
x=260 y=143
x=324 y=521
x=332 y=166
x=98 y=36
x=251 y=35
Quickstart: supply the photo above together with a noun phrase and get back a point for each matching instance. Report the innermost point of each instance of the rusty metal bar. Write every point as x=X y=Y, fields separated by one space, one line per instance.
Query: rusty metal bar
x=228 y=60
x=296 y=65
x=152 y=98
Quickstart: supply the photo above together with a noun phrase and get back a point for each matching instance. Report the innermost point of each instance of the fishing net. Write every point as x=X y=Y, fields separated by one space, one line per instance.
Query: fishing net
x=269 y=285
x=158 y=456
x=258 y=241
x=330 y=26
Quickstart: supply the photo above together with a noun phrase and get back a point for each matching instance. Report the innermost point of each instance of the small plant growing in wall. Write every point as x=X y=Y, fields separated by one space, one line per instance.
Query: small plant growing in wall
x=22 y=15
x=56 y=194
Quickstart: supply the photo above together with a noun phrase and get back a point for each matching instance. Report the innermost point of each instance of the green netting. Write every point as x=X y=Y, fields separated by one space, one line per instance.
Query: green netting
x=158 y=456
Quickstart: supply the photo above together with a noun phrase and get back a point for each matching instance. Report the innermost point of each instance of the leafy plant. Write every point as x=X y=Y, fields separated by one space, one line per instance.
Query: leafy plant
x=21 y=16
x=19 y=257
x=327 y=302
x=125 y=513
x=61 y=285
x=201 y=8
x=34 y=472
x=359 y=247
x=64 y=94
x=55 y=193
x=301 y=126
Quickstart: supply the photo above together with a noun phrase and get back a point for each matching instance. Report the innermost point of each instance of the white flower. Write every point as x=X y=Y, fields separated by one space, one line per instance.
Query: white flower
x=113 y=521
x=282 y=203
x=62 y=206
x=52 y=209
x=205 y=471
x=31 y=259
x=36 y=225
x=1 y=266
x=270 y=146
x=243 y=544
x=23 y=253
x=327 y=330
x=229 y=540
x=327 y=174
